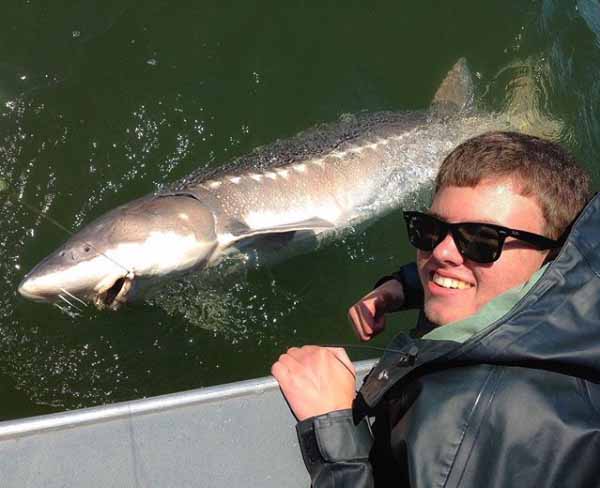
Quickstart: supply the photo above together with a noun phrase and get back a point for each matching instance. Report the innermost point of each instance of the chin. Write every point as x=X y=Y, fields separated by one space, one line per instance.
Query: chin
x=443 y=317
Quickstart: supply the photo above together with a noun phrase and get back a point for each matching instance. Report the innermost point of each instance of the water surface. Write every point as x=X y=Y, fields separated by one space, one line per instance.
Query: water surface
x=100 y=104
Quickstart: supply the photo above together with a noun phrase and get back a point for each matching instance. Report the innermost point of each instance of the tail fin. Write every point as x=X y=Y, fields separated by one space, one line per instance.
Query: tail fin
x=525 y=100
x=526 y=97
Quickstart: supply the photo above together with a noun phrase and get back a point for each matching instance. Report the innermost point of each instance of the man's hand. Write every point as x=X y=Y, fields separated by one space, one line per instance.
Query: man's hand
x=368 y=314
x=316 y=380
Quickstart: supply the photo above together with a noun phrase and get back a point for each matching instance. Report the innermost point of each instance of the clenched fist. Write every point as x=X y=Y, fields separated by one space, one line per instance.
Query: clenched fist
x=368 y=314
x=316 y=380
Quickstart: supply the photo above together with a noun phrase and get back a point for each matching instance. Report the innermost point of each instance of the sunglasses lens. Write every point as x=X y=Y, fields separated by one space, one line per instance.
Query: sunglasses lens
x=478 y=242
x=425 y=232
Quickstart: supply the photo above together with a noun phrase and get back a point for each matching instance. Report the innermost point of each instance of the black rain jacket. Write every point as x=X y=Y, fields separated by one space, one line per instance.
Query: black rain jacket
x=517 y=405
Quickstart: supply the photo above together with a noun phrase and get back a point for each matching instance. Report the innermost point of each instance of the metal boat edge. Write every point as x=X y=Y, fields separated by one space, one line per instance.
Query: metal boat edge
x=236 y=434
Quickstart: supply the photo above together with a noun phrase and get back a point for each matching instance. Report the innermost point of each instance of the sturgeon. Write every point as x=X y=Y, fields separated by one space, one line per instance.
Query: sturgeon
x=291 y=194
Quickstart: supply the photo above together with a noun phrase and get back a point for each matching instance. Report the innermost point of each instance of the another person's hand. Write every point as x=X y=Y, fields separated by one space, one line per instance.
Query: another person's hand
x=368 y=314
x=316 y=380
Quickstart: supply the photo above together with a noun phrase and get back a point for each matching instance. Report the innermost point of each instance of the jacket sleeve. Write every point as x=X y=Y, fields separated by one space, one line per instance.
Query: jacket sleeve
x=408 y=276
x=336 y=450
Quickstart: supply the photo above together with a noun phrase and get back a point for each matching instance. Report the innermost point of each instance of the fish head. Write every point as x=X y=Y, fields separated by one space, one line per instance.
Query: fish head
x=79 y=268
x=112 y=260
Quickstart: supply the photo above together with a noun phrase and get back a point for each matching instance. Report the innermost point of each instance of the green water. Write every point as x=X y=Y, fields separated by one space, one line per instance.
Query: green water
x=101 y=102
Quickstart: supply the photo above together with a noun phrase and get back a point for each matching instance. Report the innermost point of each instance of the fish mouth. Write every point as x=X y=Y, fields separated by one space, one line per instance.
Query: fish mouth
x=114 y=297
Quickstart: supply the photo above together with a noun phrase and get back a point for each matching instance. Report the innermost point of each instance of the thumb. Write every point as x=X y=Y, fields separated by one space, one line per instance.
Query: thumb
x=378 y=323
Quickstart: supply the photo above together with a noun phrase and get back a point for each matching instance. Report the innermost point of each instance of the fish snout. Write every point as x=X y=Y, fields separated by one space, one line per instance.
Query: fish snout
x=28 y=289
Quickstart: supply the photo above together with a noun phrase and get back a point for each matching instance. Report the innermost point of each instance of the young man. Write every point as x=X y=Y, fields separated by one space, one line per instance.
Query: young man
x=500 y=389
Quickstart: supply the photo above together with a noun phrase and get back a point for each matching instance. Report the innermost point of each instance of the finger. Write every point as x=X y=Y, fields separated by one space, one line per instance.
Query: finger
x=282 y=374
x=376 y=306
x=308 y=361
x=291 y=364
x=362 y=321
x=366 y=320
x=356 y=322
x=281 y=366
x=375 y=318
x=303 y=364
x=279 y=371
x=290 y=375
x=378 y=324
x=378 y=309
x=299 y=353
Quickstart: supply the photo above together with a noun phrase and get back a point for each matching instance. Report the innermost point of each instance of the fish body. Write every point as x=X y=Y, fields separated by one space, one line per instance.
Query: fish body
x=289 y=194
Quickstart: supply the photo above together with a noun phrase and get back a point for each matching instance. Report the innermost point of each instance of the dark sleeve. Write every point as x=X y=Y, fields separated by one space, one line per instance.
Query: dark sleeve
x=336 y=450
x=408 y=276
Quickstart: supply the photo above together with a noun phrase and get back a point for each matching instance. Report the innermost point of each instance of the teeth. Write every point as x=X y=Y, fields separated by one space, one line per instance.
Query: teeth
x=450 y=283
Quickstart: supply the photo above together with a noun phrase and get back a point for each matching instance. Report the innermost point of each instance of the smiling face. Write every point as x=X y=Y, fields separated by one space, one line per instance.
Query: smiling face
x=456 y=287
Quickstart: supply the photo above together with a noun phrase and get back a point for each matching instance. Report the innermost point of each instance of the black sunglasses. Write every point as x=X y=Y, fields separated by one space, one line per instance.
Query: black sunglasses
x=478 y=242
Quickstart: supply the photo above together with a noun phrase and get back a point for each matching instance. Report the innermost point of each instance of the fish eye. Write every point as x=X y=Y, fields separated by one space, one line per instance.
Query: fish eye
x=86 y=248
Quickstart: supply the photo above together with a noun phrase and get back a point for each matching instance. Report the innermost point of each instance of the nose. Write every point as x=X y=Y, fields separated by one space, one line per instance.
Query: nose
x=447 y=252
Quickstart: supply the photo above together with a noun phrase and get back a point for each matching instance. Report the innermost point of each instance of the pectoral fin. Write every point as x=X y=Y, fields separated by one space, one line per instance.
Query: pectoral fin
x=239 y=230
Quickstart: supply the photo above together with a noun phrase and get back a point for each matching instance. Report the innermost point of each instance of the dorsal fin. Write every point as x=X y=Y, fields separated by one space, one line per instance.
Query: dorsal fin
x=457 y=91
